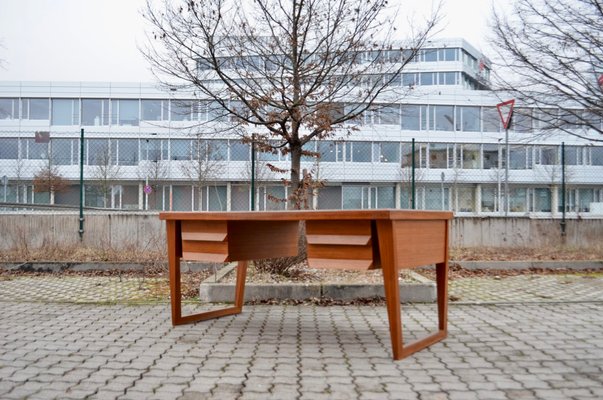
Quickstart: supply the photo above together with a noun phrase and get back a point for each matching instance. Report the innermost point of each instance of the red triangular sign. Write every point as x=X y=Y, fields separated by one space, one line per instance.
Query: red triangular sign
x=505 y=110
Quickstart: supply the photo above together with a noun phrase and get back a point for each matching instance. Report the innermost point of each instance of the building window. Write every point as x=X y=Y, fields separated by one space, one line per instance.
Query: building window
x=125 y=112
x=444 y=118
x=98 y=152
x=420 y=155
x=387 y=152
x=35 y=109
x=354 y=197
x=542 y=200
x=182 y=110
x=411 y=117
x=392 y=79
x=547 y=155
x=436 y=198
x=448 y=78
x=430 y=55
x=9 y=148
x=95 y=112
x=519 y=157
x=182 y=198
x=34 y=151
x=239 y=198
x=310 y=152
x=64 y=151
x=518 y=200
x=65 y=112
x=154 y=110
x=389 y=115
x=153 y=150
x=489 y=199
x=239 y=151
x=596 y=155
x=585 y=197
x=410 y=79
x=491 y=119
x=439 y=155
x=217 y=150
x=180 y=149
x=383 y=197
x=465 y=199
x=329 y=198
x=273 y=198
x=448 y=54
x=215 y=112
x=216 y=198
x=574 y=155
x=358 y=151
x=469 y=156
x=467 y=119
x=9 y=109
x=522 y=120
x=428 y=78
x=327 y=150
x=490 y=156
x=127 y=152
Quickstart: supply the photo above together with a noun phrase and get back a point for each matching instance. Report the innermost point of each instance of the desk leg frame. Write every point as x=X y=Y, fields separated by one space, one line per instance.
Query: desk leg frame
x=392 y=296
x=174 y=255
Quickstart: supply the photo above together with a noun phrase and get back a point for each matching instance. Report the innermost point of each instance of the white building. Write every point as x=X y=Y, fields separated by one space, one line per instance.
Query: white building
x=142 y=149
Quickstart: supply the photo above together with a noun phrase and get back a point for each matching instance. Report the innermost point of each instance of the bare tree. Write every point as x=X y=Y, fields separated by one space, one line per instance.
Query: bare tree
x=49 y=180
x=105 y=172
x=153 y=172
x=283 y=69
x=203 y=166
x=549 y=56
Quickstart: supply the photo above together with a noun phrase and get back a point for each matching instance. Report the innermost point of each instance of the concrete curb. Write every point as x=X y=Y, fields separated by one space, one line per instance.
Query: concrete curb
x=92 y=266
x=224 y=292
x=575 y=265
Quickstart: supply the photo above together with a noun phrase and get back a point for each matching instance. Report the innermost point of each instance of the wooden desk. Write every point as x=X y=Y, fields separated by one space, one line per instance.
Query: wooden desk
x=348 y=239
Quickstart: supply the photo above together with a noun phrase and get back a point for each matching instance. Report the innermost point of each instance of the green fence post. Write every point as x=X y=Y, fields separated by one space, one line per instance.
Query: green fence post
x=563 y=189
x=412 y=182
x=81 y=231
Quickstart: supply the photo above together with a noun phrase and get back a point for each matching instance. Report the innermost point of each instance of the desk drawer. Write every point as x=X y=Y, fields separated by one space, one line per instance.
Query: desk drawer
x=340 y=244
x=204 y=241
x=222 y=241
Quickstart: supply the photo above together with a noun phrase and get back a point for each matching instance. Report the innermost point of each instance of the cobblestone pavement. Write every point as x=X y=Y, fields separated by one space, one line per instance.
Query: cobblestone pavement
x=82 y=289
x=529 y=288
x=530 y=342
x=512 y=351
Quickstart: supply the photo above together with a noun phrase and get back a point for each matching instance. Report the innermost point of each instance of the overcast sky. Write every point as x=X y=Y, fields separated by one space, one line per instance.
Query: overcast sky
x=96 y=40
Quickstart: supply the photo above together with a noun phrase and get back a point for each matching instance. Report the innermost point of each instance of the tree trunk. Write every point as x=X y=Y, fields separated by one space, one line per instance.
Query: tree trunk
x=295 y=189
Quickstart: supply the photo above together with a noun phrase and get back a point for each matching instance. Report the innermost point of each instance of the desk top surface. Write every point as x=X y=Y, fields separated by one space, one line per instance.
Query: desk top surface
x=290 y=215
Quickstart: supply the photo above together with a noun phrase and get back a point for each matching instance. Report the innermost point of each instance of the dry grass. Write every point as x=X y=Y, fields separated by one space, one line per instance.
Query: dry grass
x=78 y=253
x=157 y=255
x=527 y=254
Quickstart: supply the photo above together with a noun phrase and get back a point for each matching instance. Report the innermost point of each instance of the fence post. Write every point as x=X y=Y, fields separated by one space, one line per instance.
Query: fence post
x=562 y=189
x=81 y=230
x=412 y=182
x=252 y=188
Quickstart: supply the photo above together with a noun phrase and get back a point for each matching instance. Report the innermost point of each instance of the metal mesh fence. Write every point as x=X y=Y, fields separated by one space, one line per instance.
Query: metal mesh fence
x=121 y=172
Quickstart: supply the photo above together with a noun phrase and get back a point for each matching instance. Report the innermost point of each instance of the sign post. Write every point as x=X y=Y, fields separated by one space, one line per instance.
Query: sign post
x=505 y=111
